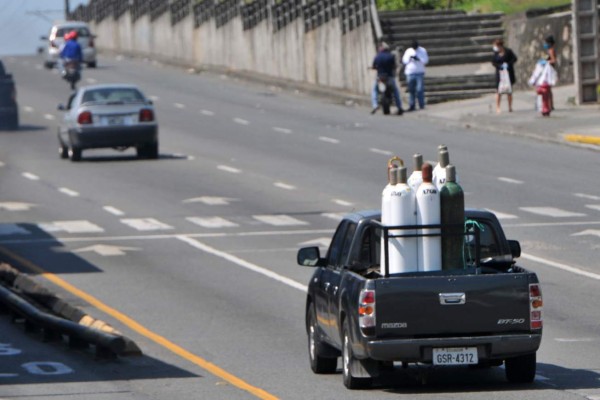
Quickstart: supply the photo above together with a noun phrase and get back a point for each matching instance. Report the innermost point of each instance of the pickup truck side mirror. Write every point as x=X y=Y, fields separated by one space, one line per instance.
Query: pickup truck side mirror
x=310 y=257
x=515 y=248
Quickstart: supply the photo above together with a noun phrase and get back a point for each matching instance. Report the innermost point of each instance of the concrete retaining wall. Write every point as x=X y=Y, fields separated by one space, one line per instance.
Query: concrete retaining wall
x=323 y=56
x=525 y=36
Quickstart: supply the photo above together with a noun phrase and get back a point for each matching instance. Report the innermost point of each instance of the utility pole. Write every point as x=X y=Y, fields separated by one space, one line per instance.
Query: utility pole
x=67 y=9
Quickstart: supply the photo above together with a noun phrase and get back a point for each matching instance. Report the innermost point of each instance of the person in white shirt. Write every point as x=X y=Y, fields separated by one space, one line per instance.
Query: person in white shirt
x=414 y=59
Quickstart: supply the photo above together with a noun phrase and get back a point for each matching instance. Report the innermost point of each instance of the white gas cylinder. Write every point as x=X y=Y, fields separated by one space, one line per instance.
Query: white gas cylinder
x=386 y=210
x=429 y=255
x=403 y=250
x=416 y=178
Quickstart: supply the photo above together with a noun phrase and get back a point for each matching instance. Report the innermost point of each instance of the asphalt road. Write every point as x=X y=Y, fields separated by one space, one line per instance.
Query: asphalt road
x=193 y=255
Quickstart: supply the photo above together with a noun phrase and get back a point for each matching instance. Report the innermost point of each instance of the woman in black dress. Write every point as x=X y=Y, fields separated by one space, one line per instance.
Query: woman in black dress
x=504 y=58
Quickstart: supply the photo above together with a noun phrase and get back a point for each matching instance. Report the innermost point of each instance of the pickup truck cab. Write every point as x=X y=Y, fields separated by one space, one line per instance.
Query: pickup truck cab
x=487 y=313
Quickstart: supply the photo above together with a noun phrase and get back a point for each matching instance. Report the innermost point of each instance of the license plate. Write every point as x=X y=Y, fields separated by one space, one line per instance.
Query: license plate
x=455 y=356
x=113 y=120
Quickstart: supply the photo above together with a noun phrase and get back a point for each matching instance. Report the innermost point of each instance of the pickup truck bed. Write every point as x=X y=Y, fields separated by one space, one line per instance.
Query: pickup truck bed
x=481 y=314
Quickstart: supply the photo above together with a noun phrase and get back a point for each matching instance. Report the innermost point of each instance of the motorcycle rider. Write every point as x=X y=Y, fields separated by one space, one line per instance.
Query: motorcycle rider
x=385 y=64
x=71 y=50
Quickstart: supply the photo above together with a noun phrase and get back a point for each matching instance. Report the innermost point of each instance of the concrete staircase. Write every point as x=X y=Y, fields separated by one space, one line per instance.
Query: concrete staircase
x=452 y=38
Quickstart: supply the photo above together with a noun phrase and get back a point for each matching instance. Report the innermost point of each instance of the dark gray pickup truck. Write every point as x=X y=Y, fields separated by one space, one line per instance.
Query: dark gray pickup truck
x=487 y=313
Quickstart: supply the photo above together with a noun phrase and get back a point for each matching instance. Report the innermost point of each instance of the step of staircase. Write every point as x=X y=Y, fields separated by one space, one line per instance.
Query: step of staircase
x=457 y=87
x=411 y=28
x=384 y=18
x=419 y=13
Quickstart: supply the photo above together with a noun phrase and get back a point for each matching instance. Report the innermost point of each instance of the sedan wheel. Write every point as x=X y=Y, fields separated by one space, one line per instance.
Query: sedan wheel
x=63 y=151
x=75 y=154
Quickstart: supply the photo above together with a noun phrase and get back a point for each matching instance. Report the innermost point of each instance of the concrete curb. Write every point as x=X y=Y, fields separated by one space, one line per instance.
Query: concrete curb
x=40 y=297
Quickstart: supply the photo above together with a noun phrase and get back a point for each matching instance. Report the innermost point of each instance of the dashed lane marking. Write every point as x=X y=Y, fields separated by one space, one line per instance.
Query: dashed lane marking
x=501 y=215
x=16 y=206
x=154 y=98
x=212 y=222
x=564 y=267
x=342 y=202
x=551 y=212
x=77 y=226
x=113 y=211
x=379 y=151
x=49 y=117
x=279 y=220
x=586 y=196
x=328 y=140
x=576 y=340
x=142 y=330
x=211 y=200
x=510 y=180
x=334 y=216
x=588 y=232
x=227 y=168
x=241 y=121
x=593 y=206
x=146 y=224
x=30 y=176
x=179 y=105
x=68 y=192
x=283 y=185
x=28 y=109
x=207 y=113
x=282 y=130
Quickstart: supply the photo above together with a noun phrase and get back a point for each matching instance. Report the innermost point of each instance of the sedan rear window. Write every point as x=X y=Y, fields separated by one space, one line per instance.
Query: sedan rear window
x=112 y=96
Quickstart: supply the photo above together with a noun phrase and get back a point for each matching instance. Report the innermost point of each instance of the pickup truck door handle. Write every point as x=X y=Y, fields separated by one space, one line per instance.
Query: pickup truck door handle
x=452 y=299
x=335 y=289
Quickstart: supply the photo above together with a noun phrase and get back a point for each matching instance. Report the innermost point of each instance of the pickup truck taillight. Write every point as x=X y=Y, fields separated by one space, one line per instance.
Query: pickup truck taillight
x=366 y=311
x=535 y=306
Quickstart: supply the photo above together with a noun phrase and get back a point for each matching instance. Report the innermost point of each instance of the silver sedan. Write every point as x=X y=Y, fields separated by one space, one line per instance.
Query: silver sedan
x=108 y=116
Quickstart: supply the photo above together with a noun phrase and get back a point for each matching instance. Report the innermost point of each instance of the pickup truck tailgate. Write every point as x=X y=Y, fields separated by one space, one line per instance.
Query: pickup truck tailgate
x=451 y=305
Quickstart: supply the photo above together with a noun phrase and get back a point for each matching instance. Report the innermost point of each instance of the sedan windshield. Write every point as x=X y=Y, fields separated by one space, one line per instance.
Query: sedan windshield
x=112 y=96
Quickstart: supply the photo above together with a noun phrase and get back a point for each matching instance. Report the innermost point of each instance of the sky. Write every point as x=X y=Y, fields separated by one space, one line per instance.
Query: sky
x=22 y=22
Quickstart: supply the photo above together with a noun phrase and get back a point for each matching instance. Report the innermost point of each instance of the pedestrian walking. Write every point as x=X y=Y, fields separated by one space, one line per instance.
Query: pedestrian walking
x=503 y=60
x=415 y=59
x=544 y=77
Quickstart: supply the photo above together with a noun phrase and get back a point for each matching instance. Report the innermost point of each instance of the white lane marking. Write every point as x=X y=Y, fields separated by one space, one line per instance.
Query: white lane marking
x=227 y=168
x=588 y=232
x=328 y=140
x=68 y=192
x=28 y=109
x=586 y=196
x=593 y=206
x=334 y=216
x=91 y=80
x=49 y=117
x=211 y=200
x=12 y=229
x=320 y=242
x=242 y=263
x=207 y=113
x=16 y=206
x=279 y=220
x=379 y=151
x=342 y=202
x=113 y=211
x=2 y=164
x=241 y=121
x=31 y=176
x=551 y=212
x=564 y=267
x=510 y=180
x=179 y=105
x=575 y=340
x=77 y=226
x=283 y=185
x=282 y=130
x=154 y=98
x=106 y=250
x=212 y=222
x=501 y=215
x=146 y=224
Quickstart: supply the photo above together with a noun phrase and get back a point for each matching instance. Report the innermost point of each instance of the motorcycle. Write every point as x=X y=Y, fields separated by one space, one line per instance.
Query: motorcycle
x=71 y=72
x=384 y=93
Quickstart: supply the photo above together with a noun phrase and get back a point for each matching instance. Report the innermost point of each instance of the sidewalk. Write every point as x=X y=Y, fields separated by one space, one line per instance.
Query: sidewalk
x=568 y=123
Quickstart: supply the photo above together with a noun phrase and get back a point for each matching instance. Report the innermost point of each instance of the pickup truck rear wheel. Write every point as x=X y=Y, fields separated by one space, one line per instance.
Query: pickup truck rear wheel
x=520 y=369
x=347 y=359
x=318 y=364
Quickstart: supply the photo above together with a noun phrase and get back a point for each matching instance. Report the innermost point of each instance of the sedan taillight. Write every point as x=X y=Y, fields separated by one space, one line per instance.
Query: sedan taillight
x=53 y=44
x=84 y=118
x=146 y=115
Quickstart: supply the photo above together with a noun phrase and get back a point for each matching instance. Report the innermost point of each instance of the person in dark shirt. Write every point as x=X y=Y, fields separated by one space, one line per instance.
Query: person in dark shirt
x=385 y=64
x=503 y=58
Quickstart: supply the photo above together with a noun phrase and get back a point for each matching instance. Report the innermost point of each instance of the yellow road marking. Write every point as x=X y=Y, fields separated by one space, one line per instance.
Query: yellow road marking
x=587 y=139
x=137 y=327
